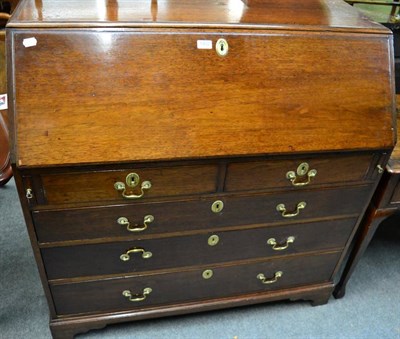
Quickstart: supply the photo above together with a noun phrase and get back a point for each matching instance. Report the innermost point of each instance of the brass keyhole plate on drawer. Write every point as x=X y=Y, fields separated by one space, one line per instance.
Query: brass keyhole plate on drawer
x=213 y=240
x=217 y=206
x=207 y=274
x=302 y=169
x=222 y=47
x=132 y=179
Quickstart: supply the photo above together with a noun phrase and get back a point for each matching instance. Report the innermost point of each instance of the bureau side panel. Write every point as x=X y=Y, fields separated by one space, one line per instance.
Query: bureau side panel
x=86 y=96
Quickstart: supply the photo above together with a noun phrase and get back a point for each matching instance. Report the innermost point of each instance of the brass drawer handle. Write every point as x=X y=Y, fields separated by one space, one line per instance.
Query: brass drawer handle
x=29 y=193
x=145 y=254
x=132 y=180
x=133 y=228
x=302 y=170
x=276 y=247
x=137 y=297
x=264 y=280
x=282 y=209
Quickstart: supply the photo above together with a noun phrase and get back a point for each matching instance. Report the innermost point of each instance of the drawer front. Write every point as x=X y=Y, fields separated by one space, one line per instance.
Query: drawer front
x=186 y=286
x=202 y=105
x=163 y=253
x=393 y=189
x=179 y=216
x=99 y=186
x=311 y=171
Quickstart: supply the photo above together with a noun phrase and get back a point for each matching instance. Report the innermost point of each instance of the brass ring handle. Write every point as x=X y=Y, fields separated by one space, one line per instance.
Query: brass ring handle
x=29 y=193
x=282 y=209
x=293 y=178
x=276 y=247
x=120 y=186
x=132 y=180
x=145 y=254
x=133 y=228
x=264 y=280
x=302 y=170
x=137 y=297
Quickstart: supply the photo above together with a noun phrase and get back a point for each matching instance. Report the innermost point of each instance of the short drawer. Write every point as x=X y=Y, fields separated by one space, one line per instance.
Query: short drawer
x=189 y=215
x=186 y=286
x=298 y=172
x=165 y=253
x=148 y=183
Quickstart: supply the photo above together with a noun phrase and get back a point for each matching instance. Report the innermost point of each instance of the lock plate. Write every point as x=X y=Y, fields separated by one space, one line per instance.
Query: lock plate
x=207 y=274
x=217 y=206
x=302 y=169
x=132 y=179
x=222 y=47
x=213 y=240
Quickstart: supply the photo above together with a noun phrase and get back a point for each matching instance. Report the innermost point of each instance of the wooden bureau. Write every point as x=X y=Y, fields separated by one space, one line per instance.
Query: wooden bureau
x=178 y=156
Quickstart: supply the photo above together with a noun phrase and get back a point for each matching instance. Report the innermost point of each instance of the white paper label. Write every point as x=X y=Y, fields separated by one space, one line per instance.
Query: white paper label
x=3 y=101
x=29 y=42
x=204 y=44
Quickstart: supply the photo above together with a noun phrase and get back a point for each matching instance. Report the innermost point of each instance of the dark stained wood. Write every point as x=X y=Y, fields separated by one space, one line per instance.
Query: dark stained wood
x=196 y=99
x=104 y=259
x=263 y=174
x=99 y=186
x=64 y=327
x=181 y=216
x=32 y=237
x=310 y=80
x=106 y=296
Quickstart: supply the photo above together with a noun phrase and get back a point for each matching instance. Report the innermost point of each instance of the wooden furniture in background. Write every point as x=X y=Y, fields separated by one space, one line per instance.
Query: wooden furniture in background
x=5 y=161
x=385 y=202
x=204 y=156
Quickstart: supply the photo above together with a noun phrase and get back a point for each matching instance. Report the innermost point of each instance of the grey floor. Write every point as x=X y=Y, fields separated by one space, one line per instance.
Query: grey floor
x=370 y=309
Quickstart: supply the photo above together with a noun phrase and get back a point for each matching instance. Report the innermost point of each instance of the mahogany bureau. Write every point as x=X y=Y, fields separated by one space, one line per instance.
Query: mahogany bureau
x=179 y=156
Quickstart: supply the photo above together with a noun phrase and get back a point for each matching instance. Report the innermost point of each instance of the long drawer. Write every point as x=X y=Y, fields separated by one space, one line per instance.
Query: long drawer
x=178 y=216
x=165 y=253
x=191 y=285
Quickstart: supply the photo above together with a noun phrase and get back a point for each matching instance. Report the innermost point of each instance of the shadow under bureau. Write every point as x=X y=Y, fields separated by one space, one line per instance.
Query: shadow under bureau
x=178 y=157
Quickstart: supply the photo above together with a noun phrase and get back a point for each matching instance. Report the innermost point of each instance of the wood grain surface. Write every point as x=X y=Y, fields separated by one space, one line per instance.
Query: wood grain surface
x=182 y=251
x=193 y=214
x=186 y=286
x=88 y=97
x=310 y=14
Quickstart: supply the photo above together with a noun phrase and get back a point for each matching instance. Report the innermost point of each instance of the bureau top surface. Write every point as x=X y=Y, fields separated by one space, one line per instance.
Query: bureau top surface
x=305 y=14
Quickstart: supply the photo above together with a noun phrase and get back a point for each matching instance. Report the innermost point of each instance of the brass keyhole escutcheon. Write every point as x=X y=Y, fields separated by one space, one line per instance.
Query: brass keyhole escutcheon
x=213 y=240
x=222 y=47
x=207 y=274
x=132 y=179
x=217 y=206
x=302 y=169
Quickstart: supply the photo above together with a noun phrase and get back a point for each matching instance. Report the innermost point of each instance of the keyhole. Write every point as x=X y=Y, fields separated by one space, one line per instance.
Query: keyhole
x=217 y=206
x=222 y=47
